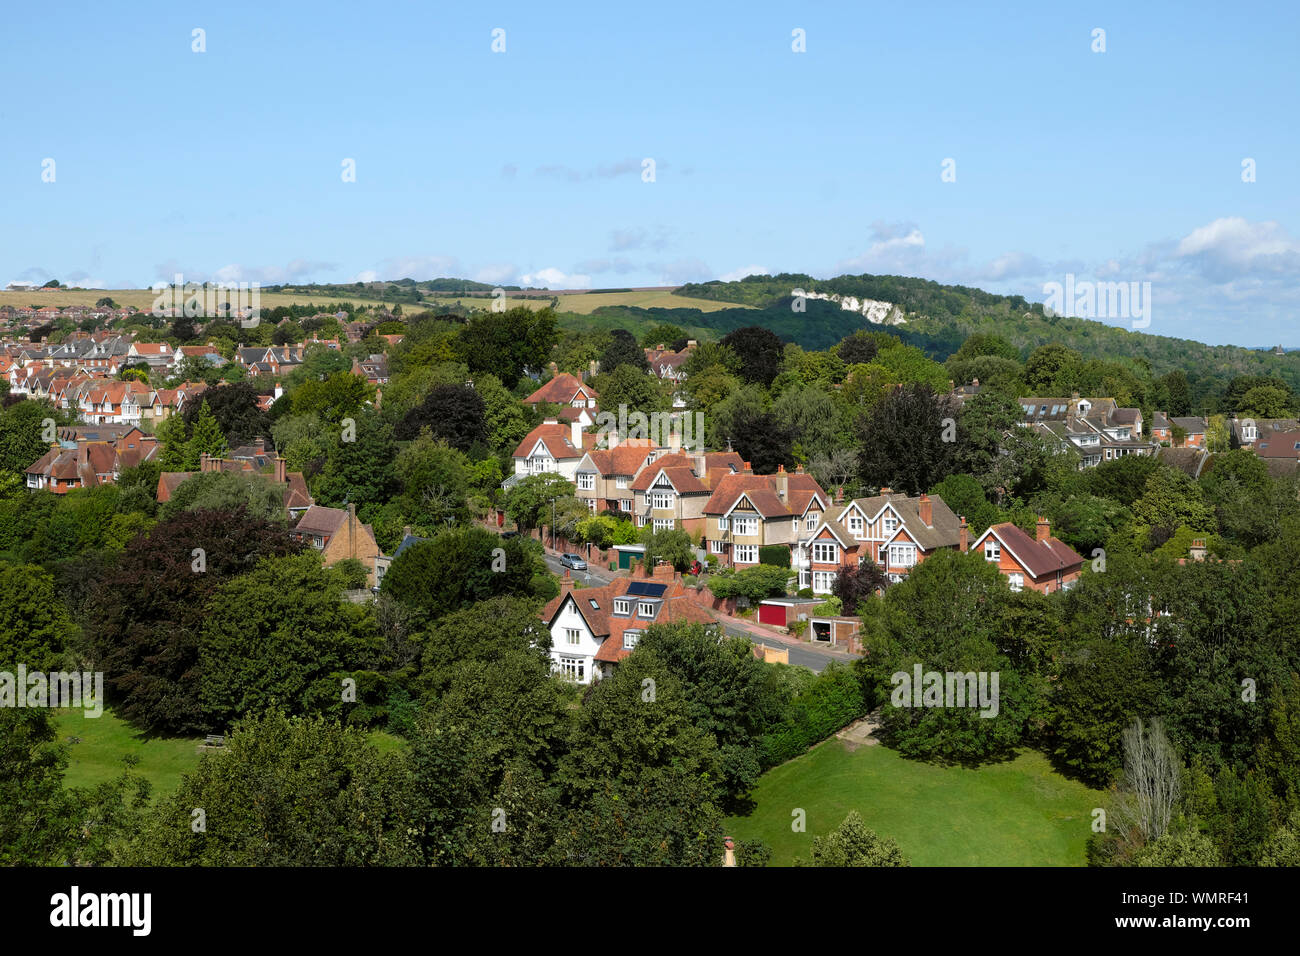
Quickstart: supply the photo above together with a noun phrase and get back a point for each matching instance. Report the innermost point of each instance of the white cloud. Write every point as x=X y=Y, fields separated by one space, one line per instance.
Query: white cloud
x=497 y=273
x=552 y=278
x=736 y=274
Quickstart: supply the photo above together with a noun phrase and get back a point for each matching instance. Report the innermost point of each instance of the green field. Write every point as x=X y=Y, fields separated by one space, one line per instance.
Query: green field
x=581 y=304
x=1018 y=813
x=105 y=740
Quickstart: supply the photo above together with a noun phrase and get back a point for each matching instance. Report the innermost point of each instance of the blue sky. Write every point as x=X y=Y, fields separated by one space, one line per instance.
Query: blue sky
x=526 y=166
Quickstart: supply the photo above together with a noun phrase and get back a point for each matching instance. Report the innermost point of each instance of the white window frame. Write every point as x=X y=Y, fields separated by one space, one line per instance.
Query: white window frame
x=645 y=608
x=745 y=554
x=854 y=525
x=573 y=668
x=902 y=555
x=825 y=552
x=622 y=606
x=722 y=523
x=586 y=481
x=889 y=524
x=620 y=481
x=744 y=524
x=664 y=524
x=1017 y=581
x=822 y=581
x=662 y=500
x=572 y=636
x=992 y=550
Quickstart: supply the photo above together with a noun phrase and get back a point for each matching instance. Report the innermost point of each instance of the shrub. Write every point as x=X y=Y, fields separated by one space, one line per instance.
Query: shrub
x=777 y=555
x=833 y=700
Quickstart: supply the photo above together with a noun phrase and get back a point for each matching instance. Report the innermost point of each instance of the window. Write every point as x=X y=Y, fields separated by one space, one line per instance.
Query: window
x=663 y=499
x=855 y=525
x=746 y=554
x=622 y=606
x=722 y=524
x=620 y=481
x=992 y=550
x=824 y=552
x=1017 y=581
x=574 y=668
x=822 y=581
x=810 y=523
x=902 y=555
x=586 y=481
x=645 y=609
x=718 y=547
x=630 y=638
x=664 y=524
x=640 y=521
x=747 y=525
x=572 y=635
x=889 y=523
x=625 y=504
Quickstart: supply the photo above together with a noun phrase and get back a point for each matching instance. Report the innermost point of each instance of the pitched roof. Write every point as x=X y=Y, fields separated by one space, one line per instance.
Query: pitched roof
x=1039 y=558
x=560 y=390
x=557 y=438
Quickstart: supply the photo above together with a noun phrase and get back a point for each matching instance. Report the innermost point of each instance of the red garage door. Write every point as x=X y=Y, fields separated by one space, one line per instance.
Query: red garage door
x=772 y=614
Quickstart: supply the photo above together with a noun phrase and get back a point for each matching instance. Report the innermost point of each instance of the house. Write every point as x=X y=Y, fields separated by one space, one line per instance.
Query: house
x=746 y=512
x=552 y=446
x=576 y=399
x=1162 y=430
x=338 y=535
x=1096 y=427
x=1244 y=432
x=292 y=486
x=895 y=531
x=604 y=476
x=672 y=492
x=1278 y=445
x=1042 y=563
x=592 y=629
x=87 y=457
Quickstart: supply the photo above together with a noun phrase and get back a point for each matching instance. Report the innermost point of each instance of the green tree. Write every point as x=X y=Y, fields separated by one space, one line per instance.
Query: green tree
x=853 y=843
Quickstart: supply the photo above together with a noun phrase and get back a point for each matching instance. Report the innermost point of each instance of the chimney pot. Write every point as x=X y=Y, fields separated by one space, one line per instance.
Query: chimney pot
x=1044 y=529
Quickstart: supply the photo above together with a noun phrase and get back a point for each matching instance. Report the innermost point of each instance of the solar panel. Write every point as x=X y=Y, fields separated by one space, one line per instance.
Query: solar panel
x=646 y=589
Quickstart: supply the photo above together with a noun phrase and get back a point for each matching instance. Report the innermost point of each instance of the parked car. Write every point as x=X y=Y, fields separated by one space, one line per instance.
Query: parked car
x=695 y=569
x=509 y=534
x=573 y=561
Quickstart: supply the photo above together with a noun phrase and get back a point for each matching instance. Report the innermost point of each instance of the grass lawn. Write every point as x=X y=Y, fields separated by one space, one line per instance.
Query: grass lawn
x=1019 y=813
x=105 y=740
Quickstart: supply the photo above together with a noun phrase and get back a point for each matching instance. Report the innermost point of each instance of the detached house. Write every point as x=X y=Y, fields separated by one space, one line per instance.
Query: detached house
x=746 y=512
x=552 y=446
x=594 y=628
x=337 y=535
x=577 y=400
x=1162 y=430
x=1042 y=563
x=894 y=531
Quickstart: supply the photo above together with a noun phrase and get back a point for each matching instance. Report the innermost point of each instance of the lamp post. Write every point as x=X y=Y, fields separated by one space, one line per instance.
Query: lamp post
x=553 y=524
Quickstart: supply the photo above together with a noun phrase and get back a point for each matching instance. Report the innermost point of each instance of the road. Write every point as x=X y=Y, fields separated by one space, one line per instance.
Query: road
x=801 y=654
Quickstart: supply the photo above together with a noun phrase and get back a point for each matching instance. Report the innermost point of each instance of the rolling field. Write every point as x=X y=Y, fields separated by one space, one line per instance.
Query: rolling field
x=1018 y=813
x=581 y=304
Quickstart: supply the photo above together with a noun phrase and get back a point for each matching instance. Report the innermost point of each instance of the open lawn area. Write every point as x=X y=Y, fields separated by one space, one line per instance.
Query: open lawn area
x=1018 y=813
x=105 y=740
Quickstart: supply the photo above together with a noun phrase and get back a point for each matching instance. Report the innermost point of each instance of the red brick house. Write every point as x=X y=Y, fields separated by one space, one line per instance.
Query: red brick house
x=895 y=531
x=1042 y=563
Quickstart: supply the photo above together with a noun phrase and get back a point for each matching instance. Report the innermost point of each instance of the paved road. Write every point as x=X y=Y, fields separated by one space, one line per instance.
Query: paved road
x=801 y=655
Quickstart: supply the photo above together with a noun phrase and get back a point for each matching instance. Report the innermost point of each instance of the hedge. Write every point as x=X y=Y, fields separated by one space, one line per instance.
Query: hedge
x=777 y=555
x=833 y=701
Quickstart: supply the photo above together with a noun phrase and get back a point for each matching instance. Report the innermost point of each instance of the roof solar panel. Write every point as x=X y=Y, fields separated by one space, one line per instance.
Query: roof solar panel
x=646 y=589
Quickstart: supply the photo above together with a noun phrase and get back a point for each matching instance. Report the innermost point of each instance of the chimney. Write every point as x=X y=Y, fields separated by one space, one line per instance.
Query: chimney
x=1197 y=551
x=700 y=465
x=886 y=491
x=691 y=343
x=279 y=469
x=1044 y=529
x=965 y=543
x=782 y=482
x=406 y=531
x=975 y=382
x=663 y=571
x=575 y=433
x=352 y=530
x=749 y=468
x=566 y=583
x=926 y=507
x=839 y=494
x=203 y=462
x=592 y=366
x=555 y=370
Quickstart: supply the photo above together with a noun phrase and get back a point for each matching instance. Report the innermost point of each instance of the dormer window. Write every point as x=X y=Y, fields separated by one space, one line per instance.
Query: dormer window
x=622 y=606
x=630 y=639
x=645 y=609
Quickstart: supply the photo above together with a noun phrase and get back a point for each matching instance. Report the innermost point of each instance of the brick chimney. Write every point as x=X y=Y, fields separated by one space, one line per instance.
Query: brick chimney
x=566 y=583
x=279 y=469
x=663 y=571
x=203 y=462
x=749 y=468
x=782 y=481
x=1197 y=551
x=926 y=507
x=964 y=544
x=839 y=494
x=886 y=491
x=1044 y=529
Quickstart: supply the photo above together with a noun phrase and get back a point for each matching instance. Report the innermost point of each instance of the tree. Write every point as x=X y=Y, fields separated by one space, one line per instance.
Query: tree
x=908 y=440
x=1053 y=370
x=1152 y=781
x=853 y=843
x=236 y=412
x=670 y=545
x=34 y=625
x=637 y=390
x=623 y=350
x=508 y=343
x=1187 y=847
x=206 y=436
x=1267 y=401
x=454 y=413
x=459 y=567
x=858 y=348
x=280 y=635
x=670 y=336
x=358 y=471
x=145 y=614
x=754 y=583
x=287 y=791
x=1171 y=500
x=435 y=480
x=339 y=396
x=485 y=631
x=760 y=352
x=858 y=584
x=227 y=491
x=528 y=501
